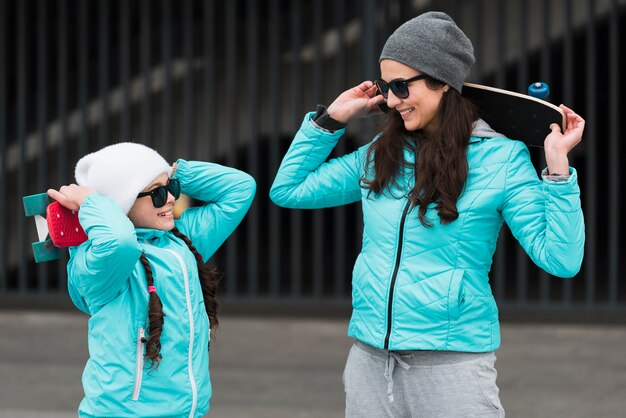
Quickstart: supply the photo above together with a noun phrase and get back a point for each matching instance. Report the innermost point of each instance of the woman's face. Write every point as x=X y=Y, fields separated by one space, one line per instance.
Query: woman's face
x=143 y=214
x=420 y=109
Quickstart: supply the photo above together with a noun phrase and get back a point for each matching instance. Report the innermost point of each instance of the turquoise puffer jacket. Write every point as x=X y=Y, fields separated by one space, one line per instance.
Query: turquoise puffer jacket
x=107 y=281
x=417 y=288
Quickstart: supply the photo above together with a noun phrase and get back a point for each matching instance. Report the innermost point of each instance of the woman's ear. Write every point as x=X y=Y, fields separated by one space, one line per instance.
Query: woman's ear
x=446 y=88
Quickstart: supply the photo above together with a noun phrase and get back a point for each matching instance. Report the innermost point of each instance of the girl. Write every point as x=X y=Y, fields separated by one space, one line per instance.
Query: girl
x=435 y=187
x=142 y=277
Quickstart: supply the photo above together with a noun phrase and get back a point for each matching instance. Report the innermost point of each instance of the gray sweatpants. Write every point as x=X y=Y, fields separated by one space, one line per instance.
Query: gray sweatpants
x=424 y=384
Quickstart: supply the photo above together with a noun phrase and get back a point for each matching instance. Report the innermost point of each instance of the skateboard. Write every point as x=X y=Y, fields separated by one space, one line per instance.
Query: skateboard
x=60 y=223
x=515 y=115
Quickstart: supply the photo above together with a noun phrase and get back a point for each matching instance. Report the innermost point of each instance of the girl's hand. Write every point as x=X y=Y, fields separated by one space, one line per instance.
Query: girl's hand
x=557 y=145
x=173 y=170
x=71 y=196
x=357 y=101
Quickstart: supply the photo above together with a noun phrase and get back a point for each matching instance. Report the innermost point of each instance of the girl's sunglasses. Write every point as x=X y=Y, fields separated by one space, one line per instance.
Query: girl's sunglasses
x=159 y=194
x=399 y=87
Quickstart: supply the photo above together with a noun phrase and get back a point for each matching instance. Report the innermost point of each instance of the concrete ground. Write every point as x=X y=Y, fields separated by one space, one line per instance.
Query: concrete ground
x=278 y=367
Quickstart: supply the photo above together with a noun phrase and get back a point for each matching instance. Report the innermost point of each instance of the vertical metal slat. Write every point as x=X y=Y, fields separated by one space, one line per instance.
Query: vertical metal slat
x=522 y=81
x=62 y=109
x=125 y=68
x=544 y=279
x=370 y=70
x=231 y=106
x=296 y=272
x=339 y=84
x=42 y=169
x=274 y=159
x=591 y=157
x=614 y=179
x=83 y=36
x=166 y=98
x=568 y=99
x=500 y=256
x=146 y=34
x=369 y=41
x=370 y=50
x=252 y=220
x=103 y=71
x=3 y=133
x=478 y=46
x=188 y=96
x=318 y=215
x=21 y=137
x=209 y=77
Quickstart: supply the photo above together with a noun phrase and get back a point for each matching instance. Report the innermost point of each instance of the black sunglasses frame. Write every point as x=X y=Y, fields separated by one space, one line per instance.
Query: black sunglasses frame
x=399 y=86
x=159 y=194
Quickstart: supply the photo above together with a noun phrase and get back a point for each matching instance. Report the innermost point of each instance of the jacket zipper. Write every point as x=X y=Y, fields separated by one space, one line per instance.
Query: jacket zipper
x=141 y=341
x=192 y=381
x=395 y=273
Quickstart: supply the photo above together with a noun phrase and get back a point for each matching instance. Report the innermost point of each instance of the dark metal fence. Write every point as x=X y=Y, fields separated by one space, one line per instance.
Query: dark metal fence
x=231 y=81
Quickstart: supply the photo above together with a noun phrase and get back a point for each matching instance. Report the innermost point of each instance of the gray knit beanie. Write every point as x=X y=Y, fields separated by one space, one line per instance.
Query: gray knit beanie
x=433 y=44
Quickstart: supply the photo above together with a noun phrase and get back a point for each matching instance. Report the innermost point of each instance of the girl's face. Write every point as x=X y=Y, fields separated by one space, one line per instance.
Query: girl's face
x=420 y=109
x=143 y=214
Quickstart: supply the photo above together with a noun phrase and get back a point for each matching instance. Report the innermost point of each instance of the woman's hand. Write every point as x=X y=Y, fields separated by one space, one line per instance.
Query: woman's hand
x=71 y=196
x=557 y=145
x=357 y=101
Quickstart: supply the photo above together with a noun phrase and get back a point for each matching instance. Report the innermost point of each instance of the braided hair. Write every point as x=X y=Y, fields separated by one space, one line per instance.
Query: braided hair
x=209 y=281
x=155 y=316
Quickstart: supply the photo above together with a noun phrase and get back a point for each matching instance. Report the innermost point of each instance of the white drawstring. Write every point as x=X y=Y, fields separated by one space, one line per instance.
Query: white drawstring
x=392 y=358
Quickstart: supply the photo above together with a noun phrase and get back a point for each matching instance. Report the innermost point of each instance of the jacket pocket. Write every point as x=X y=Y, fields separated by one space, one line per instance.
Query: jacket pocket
x=456 y=294
x=141 y=343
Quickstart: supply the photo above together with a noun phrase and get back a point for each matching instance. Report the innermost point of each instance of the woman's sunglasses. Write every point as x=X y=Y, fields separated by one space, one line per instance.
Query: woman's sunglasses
x=159 y=194
x=399 y=87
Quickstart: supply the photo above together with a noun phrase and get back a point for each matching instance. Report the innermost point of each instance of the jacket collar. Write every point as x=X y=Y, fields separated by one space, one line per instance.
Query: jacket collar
x=481 y=130
x=147 y=234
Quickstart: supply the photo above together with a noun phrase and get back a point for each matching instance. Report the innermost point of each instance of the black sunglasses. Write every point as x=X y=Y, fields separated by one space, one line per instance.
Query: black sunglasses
x=159 y=194
x=399 y=87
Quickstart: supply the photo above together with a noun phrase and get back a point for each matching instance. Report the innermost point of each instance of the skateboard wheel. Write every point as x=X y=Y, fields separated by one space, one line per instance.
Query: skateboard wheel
x=35 y=204
x=539 y=90
x=45 y=251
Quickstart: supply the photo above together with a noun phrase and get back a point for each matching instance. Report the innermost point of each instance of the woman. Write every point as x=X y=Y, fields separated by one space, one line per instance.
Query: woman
x=435 y=187
x=142 y=277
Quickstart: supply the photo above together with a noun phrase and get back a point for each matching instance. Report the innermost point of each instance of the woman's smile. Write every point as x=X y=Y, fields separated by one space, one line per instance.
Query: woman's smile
x=406 y=113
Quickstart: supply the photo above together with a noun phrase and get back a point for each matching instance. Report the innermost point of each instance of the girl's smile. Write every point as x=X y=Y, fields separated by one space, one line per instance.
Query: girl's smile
x=143 y=214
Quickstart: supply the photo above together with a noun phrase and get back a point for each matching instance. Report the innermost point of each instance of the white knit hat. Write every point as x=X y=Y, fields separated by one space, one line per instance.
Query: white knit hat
x=120 y=171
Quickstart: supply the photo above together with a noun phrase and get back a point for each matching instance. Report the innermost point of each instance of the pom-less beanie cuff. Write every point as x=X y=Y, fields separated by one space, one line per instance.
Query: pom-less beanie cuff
x=120 y=171
x=433 y=44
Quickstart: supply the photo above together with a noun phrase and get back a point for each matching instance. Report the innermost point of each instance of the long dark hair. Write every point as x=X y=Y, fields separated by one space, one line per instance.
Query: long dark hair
x=209 y=281
x=440 y=166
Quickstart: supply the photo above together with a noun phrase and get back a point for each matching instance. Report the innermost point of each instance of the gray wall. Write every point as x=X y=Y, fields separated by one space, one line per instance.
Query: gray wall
x=231 y=81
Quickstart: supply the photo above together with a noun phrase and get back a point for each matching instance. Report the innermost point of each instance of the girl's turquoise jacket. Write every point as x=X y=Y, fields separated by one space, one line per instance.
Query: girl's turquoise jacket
x=417 y=288
x=107 y=281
